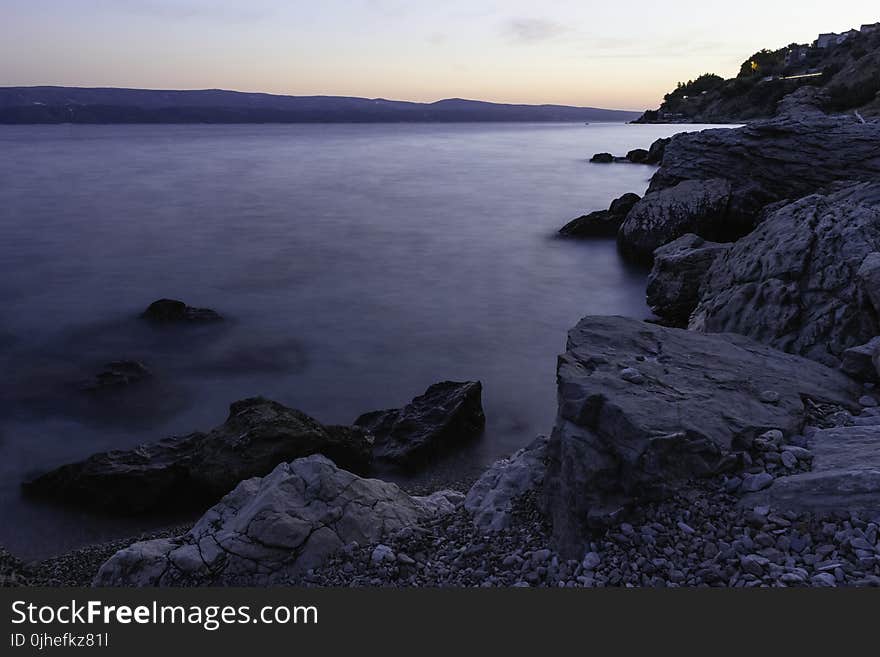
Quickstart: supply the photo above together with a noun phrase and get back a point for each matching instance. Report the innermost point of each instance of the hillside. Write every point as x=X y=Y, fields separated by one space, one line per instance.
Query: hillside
x=110 y=105
x=848 y=74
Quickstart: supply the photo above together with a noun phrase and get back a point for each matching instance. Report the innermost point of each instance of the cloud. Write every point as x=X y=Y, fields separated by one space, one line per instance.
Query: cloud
x=534 y=30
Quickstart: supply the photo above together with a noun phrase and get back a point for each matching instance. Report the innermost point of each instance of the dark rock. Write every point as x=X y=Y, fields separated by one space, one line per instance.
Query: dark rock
x=603 y=223
x=792 y=283
x=117 y=374
x=638 y=156
x=655 y=153
x=602 y=158
x=678 y=272
x=258 y=435
x=447 y=414
x=858 y=362
x=615 y=442
x=171 y=310
x=693 y=206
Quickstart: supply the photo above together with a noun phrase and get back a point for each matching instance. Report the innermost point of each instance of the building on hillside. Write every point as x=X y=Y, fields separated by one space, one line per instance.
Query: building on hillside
x=846 y=35
x=827 y=40
x=796 y=55
x=869 y=28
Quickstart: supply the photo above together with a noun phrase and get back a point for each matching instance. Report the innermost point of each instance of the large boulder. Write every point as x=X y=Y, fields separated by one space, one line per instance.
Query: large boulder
x=490 y=500
x=257 y=436
x=678 y=272
x=797 y=154
x=859 y=362
x=793 y=284
x=447 y=414
x=602 y=223
x=643 y=408
x=692 y=206
x=269 y=531
x=171 y=311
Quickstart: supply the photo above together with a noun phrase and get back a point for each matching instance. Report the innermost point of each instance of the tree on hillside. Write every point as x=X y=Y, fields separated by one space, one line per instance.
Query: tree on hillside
x=764 y=62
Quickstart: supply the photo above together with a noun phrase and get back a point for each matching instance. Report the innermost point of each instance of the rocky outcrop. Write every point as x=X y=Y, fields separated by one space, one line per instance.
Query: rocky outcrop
x=170 y=311
x=603 y=223
x=793 y=284
x=269 y=531
x=447 y=414
x=678 y=272
x=692 y=206
x=658 y=148
x=638 y=156
x=491 y=499
x=763 y=162
x=257 y=436
x=602 y=158
x=643 y=408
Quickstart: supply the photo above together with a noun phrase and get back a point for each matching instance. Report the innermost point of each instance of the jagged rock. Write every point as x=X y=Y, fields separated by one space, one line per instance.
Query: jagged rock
x=603 y=223
x=764 y=162
x=171 y=311
x=447 y=414
x=792 y=283
x=693 y=206
x=117 y=374
x=845 y=475
x=258 y=435
x=655 y=153
x=602 y=158
x=638 y=156
x=678 y=272
x=859 y=362
x=869 y=278
x=699 y=404
x=268 y=531
x=490 y=500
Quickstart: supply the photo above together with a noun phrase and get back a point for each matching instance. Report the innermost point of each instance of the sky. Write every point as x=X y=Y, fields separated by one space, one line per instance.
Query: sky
x=617 y=54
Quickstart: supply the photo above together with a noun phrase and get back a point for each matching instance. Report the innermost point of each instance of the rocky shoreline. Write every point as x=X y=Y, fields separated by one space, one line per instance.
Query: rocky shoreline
x=733 y=443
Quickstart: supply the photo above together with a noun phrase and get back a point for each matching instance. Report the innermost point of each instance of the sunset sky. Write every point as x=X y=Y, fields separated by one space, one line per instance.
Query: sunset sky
x=609 y=54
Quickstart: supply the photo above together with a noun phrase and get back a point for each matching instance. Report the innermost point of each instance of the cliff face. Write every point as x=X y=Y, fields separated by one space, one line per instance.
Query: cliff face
x=848 y=75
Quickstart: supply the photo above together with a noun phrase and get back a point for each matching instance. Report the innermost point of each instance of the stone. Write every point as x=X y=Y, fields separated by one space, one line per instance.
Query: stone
x=789 y=460
x=614 y=441
x=677 y=274
x=632 y=375
x=868 y=276
x=868 y=401
x=824 y=580
x=752 y=483
x=800 y=453
x=603 y=223
x=490 y=500
x=693 y=206
x=602 y=158
x=167 y=311
x=257 y=436
x=769 y=397
x=792 y=283
x=859 y=362
x=591 y=561
x=271 y=530
x=382 y=553
x=446 y=415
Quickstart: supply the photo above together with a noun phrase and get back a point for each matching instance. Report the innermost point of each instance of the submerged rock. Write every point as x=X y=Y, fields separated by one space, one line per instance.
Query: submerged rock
x=793 y=282
x=173 y=311
x=603 y=223
x=271 y=529
x=602 y=158
x=699 y=404
x=638 y=156
x=258 y=435
x=117 y=374
x=679 y=269
x=447 y=414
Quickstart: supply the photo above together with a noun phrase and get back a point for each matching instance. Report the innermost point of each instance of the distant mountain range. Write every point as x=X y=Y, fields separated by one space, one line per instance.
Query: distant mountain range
x=109 y=105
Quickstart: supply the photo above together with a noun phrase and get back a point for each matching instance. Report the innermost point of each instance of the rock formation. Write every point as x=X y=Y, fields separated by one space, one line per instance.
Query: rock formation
x=602 y=223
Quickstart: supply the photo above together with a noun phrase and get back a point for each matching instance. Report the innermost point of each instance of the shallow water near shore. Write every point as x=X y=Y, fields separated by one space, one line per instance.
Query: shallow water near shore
x=356 y=265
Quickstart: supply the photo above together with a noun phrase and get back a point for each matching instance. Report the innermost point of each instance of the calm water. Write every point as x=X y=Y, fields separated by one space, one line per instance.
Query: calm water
x=356 y=264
